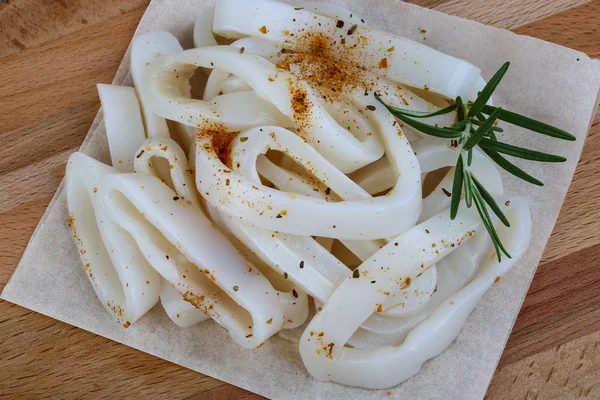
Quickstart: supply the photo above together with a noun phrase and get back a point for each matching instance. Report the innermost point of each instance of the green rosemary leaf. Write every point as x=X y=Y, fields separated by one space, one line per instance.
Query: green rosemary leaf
x=493 y=128
x=491 y=135
x=511 y=168
x=485 y=217
x=460 y=112
x=481 y=131
x=456 y=188
x=459 y=125
x=468 y=195
x=429 y=129
x=489 y=199
x=416 y=114
x=487 y=91
x=470 y=159
x=489 y=227
x=467 y=182
x=531 y=124
x=520 y=152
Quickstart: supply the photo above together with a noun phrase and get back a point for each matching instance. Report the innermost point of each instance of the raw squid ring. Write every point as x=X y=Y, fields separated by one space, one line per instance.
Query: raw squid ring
x=287 y=97
x=170 y=72
x=190 y=253
x=180 y=173
x=322 y=344
x=123 y=122
x=270 y=209
x=454 y=272
x=145 y=48
x=124 y=282
x=406 y=62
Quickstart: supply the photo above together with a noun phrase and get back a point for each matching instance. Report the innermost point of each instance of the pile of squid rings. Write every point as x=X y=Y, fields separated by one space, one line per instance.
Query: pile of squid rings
x=247 y=241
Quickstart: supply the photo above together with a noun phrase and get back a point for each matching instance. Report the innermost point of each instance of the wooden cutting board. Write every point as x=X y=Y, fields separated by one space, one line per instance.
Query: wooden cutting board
x=52 y=54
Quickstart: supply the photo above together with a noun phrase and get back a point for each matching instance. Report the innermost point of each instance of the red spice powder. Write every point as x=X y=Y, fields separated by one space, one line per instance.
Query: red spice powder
x=219 y=138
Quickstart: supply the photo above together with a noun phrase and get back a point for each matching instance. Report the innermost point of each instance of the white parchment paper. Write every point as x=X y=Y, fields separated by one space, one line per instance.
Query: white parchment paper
x=547 y=82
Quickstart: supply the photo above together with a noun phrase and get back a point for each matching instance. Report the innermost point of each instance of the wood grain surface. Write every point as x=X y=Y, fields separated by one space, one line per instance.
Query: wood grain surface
x=52 y=54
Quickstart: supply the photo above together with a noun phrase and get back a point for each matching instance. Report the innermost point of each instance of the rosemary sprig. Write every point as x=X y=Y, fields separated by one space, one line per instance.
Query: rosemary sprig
x=476 y=127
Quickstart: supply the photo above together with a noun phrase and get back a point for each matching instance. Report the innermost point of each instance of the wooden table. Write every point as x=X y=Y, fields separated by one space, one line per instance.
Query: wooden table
x=52 y=54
